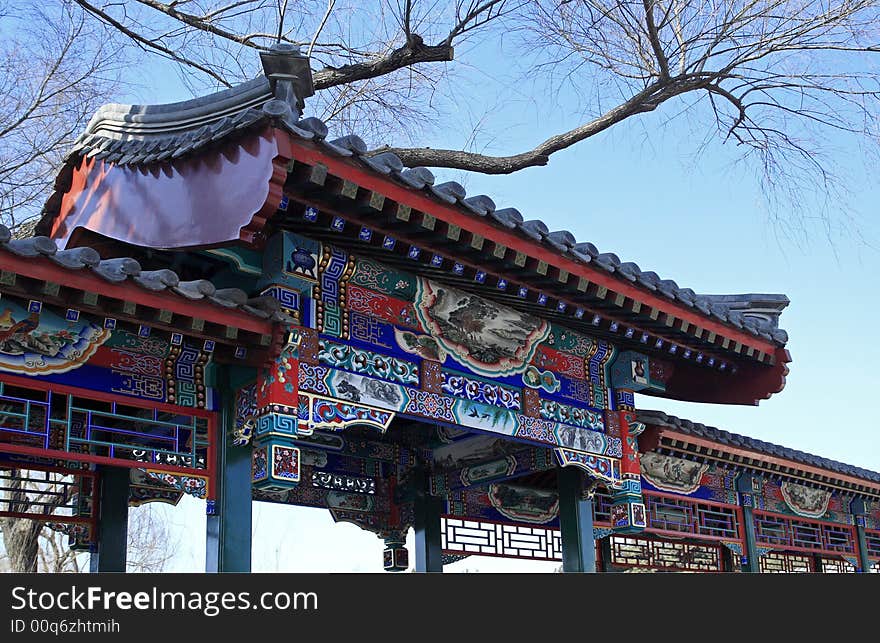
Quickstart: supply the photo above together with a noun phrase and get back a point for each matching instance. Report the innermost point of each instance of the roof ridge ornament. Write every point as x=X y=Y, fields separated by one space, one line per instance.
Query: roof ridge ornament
x=290 y=79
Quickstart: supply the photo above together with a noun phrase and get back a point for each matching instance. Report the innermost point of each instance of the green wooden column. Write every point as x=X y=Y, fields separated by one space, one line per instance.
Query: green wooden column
x=860 y=510
x=576 y=523
x=228 y=534
x=109 y=554
x=751 y=560
x=427 y=512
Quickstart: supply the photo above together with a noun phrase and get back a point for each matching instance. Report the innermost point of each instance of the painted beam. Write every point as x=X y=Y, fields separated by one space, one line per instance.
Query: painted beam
x=109 y=554
x=427 y=512
x=228 y=529
x=575 y=523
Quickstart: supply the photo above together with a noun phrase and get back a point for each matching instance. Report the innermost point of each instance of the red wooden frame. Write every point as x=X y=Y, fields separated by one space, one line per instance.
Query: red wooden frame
x=813 y=550
x=737 y=510
x=209 y=472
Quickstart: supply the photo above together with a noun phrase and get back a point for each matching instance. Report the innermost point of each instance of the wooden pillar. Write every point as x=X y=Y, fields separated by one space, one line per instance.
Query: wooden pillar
x=427 y=510
x=109 y=555
x=751 y=561
x=860 y=510
x=228 y=530
x=576 y=523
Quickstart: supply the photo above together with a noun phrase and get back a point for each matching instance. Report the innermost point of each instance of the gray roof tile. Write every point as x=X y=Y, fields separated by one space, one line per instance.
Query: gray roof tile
x=138 y=134
x=659 y=418
x=123 y=269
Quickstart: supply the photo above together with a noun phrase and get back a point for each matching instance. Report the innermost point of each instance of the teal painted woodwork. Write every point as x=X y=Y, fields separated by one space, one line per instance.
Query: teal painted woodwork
x=109 y=554
x=228 y=529
x=575 y=523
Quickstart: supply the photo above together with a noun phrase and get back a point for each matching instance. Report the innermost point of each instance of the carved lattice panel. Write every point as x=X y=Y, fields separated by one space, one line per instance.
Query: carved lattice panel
x=784 y=563
x=500 y=539
x=631 y=551
x=837 y=566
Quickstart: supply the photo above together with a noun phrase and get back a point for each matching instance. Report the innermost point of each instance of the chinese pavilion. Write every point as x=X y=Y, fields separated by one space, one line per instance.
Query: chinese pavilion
x=224 y=301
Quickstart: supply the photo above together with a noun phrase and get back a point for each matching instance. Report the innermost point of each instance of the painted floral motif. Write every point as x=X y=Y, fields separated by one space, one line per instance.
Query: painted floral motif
x=479 y=391
x=566 y=414
x=564 y=339
x=490 y=339
x=259 y=465
x=367 y=362
x=430 y=405
x=373 y=275
x=563 y=363
x=597 y=466
x=336 y=415
x=285 y=462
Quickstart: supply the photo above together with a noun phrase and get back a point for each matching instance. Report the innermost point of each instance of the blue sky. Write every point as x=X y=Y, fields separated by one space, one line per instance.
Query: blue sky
x=639 y=191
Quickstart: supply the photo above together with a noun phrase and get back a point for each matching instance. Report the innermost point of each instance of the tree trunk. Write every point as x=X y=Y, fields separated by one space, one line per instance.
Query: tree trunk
x=21 y=538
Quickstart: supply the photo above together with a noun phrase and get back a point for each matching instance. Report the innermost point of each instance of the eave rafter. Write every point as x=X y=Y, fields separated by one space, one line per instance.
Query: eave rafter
x=476 y=252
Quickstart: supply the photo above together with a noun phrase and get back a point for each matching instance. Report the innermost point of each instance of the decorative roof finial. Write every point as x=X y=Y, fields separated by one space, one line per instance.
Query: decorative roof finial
x=290 y=78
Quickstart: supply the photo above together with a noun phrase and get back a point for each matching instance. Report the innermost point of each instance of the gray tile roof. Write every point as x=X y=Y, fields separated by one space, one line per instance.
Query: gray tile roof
x=126 y=269
x=659 y=418
x=143 y=134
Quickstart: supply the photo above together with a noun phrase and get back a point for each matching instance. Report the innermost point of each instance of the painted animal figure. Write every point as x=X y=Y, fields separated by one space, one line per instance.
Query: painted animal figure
x=301 y=260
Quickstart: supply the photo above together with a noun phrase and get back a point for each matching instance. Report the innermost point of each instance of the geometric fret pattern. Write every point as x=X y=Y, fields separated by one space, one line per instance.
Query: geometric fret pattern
x=499 y=539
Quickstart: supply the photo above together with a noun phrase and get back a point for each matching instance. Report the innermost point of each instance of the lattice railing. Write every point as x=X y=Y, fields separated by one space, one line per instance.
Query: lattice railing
x=805 y=535
x=485 y=538
x=695 y=517
x=664 y=555
x=62 y=423
x=872 y=539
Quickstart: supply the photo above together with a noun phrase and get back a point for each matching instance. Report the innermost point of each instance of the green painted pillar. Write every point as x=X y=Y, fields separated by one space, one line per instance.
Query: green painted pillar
x=228 y=534
x=427 y=510
x=860 y=509
x=109 y=554
x=576 y=523
x=751 y=561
